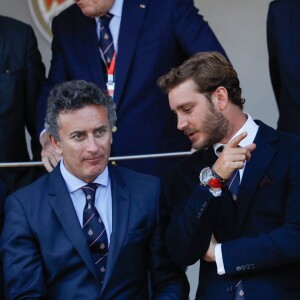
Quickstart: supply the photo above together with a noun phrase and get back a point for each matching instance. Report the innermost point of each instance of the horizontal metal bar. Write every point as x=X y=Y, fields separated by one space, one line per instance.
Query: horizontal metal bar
x=142 y=156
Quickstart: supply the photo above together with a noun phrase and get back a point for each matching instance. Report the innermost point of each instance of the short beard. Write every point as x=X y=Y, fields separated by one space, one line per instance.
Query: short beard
x=215 y=127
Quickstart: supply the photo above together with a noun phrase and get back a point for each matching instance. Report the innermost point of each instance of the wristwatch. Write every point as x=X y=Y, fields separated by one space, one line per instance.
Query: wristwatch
x=209 y=177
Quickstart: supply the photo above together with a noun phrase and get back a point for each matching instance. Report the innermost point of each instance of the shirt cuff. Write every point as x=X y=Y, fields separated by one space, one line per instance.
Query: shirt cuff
x=219 y=259
x=216 y=193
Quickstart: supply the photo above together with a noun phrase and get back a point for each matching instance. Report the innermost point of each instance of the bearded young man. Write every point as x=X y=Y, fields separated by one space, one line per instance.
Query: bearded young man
x=236 y=201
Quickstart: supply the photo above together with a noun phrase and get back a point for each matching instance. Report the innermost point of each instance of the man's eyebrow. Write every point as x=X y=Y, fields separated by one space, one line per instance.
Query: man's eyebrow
x=76 y=132
x=100 y=127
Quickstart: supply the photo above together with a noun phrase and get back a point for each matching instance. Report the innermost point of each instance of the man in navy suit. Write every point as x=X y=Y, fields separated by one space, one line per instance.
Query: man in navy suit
x=21 y=73
x=45 y=247
x=283 y=32
x=3 y=194
x=150 y=37
x=237 y=199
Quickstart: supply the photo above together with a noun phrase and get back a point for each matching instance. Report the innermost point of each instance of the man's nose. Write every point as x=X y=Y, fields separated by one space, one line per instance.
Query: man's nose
x=181 y=122
x=92 y=144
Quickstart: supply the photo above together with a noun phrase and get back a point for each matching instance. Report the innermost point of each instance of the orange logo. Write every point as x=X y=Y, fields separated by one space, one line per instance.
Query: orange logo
x=43 y=12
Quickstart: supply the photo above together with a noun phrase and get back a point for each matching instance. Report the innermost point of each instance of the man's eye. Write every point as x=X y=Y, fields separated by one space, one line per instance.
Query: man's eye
x=187 y=109
x=77 y=136
x=100 y=132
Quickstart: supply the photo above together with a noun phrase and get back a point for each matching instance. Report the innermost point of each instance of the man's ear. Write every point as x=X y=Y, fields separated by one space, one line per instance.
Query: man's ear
x=56 y=144
x=221 y=96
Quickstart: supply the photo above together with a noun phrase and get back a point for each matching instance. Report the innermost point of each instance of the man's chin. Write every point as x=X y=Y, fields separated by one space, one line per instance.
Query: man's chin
x=200 y=146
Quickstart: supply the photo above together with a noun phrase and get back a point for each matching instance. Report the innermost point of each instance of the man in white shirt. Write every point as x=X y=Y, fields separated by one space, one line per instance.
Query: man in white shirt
x=236 y=201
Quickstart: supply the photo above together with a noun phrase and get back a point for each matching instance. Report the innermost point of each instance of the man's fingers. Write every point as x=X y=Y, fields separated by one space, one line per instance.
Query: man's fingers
x=47 y=163
x=251 y=147
x=235 y=142
x=50 y=157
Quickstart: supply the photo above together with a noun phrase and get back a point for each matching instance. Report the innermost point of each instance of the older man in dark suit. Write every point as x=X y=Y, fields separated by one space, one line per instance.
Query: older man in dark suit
x=149 y=37
x=21 y=72
x=86 y=230
x=3 y=194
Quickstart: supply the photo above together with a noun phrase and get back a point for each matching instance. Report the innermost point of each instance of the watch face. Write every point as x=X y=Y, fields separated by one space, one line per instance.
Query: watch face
x=205 y=175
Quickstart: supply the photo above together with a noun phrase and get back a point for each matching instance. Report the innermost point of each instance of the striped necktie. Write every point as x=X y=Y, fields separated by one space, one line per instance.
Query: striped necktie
x=233 y=182
x=94 y=230
x=106 y=41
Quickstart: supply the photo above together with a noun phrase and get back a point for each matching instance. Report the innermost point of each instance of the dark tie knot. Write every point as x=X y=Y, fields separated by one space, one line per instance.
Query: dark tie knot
x=105 y=19
x=90 y=190
x=220 y=149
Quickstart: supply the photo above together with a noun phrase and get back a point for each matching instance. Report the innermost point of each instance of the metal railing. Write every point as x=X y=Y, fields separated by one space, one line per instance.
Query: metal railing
x=115 y=158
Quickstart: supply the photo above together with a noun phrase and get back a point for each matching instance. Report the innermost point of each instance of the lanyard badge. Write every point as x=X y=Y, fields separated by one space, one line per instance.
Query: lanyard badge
x=110 y=84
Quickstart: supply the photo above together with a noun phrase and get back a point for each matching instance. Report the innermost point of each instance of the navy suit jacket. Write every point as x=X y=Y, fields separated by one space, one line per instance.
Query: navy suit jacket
x=21 y=72
x=153 y=38
x=3 y=194
x=260 y=235
x=283 y=28
x=46 y=255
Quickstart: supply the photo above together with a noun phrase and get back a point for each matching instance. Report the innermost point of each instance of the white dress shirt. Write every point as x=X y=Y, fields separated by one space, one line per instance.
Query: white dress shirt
x=103 y=199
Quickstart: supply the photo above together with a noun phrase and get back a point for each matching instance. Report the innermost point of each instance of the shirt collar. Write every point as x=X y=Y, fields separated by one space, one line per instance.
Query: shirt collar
x=116 y=9
x=74 y=183
x=250 y=127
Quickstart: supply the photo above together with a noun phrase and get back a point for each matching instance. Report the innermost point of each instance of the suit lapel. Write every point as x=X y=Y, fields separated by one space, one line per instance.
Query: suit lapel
x=255 y=169
x=120 y=215
x=62 y=205
x=88 y=43
x=130 y=29
x=1 y=50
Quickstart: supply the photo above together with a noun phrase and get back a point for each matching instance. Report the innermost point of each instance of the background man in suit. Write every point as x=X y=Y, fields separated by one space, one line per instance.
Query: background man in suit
x=243 y=220
x=3 y=193
x=52 y=244
x=149 y=38
x=283 y=32
x=21 y=72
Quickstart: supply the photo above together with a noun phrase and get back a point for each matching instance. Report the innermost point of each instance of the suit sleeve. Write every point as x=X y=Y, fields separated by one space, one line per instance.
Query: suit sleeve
x=193 y=32
x=34 y=74
x=57 y=74
x=22 y=262
x=196 y=214
x=272 y=49
x=277 y=247
x=168 y=278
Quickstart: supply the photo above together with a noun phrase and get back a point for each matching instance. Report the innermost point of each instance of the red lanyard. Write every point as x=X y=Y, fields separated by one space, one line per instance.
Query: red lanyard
x=111 y=68
x=110 y=77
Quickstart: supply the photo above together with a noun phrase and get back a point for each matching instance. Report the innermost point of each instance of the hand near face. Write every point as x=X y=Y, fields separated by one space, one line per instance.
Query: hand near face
x=233 y=157
x=50 y=157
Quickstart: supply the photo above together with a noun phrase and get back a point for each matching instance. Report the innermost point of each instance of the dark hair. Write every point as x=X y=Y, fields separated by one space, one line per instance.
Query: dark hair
x=209 y=70
x=73 y=95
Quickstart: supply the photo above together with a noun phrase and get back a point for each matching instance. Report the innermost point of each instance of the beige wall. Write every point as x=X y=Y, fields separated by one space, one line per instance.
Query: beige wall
x=241 y=28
